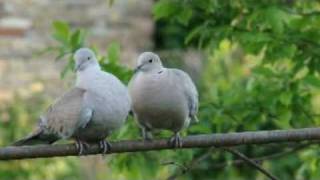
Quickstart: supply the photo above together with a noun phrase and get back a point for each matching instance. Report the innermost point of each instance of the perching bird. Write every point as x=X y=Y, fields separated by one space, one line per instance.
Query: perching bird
x=98 y=104
x=162 y=98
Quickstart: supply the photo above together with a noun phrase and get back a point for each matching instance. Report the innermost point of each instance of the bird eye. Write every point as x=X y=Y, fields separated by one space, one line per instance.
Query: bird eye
x=88 y=58
x=150 y=60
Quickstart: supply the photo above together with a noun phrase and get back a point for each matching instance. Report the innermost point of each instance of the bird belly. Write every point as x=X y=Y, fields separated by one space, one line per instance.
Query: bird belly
x=91 y=133
x=161 y=109
x=107 y=117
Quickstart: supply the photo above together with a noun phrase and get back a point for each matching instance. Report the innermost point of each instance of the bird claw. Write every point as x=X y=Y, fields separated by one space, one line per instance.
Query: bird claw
x=81 y=145
x=176 y=141
x=146 y=135
x=105 y=146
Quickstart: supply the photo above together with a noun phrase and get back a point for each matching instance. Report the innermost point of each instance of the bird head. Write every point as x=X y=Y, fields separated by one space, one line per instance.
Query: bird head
x=84 y=58
x=148 y=61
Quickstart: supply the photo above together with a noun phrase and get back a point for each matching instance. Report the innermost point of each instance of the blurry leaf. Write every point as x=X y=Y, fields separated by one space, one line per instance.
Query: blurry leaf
x=284 y=119
x=312 y=80
x=76 y=39
x=263 y=71
x=289 y=51
x=193 y=34
x=61 y=31
x=114 y=52
x=285 y=98
x=276 y=19
x=250 y=84
x=314 y=165
x=164 y=8
x=185 y=16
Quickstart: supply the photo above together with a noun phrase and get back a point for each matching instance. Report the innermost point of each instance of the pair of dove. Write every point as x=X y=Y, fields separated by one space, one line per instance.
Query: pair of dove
x=160 y=98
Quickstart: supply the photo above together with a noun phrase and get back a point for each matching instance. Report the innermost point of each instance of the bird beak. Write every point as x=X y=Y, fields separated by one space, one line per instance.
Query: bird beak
x=137 y=68
x=79 y=67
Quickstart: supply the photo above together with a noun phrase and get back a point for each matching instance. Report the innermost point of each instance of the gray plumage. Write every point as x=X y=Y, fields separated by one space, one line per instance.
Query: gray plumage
x=89 y=112
x=162 y=98
x=60 y=120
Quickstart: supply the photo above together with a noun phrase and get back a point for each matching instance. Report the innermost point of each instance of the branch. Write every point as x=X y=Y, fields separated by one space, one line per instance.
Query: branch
x=251 y=162
x=270 y=156
x=185 y=168
x=194 y=163
x=196 y=141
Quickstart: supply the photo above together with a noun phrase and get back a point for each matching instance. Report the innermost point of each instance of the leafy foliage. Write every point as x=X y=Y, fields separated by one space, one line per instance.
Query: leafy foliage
x=260 y=71
x=69 y=41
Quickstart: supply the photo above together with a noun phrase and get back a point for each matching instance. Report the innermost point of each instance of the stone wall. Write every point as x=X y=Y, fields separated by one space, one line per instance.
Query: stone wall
x=25 y=29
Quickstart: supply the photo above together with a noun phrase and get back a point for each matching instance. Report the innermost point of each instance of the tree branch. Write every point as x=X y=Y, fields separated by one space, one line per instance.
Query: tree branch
x=270 y=156
x=251 y=162
x=196 y=141
x=191 y=165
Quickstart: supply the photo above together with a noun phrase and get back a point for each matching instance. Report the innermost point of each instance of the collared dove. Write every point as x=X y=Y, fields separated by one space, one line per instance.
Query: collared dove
x=162 y=98
x=98 y=104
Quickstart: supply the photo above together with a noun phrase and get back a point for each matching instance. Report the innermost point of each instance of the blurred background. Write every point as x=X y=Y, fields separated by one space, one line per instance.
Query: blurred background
x=256 y=65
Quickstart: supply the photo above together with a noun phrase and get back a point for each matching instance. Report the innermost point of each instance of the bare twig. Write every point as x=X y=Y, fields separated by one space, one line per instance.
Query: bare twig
x=266 y=157
x=191 y=165
x=196 y=141
x=251 y=162
x=182 y=166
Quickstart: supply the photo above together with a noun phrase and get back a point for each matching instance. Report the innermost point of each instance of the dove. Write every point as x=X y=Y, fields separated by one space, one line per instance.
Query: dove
x=98 y=104
x=162 y=98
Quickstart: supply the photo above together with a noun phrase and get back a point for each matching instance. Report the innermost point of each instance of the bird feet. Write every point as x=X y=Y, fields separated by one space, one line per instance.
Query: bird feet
x=176 y=141
x=81 y=145
x=146 y=135
x=105 y=146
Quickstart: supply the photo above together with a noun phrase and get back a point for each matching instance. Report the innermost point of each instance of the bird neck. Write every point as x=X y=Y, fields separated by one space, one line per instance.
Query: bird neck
x=156 y=70
x=86 y=77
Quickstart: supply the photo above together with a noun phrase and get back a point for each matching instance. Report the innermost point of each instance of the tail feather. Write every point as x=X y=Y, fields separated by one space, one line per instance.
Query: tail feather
x=37 y=137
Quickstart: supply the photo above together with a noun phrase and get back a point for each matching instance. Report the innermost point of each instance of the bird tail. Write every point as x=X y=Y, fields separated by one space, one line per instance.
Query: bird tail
x=37 y=137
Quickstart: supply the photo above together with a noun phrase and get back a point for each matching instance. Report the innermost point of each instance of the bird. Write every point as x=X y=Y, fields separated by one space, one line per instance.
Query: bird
x=162 y=98
x=98 y=104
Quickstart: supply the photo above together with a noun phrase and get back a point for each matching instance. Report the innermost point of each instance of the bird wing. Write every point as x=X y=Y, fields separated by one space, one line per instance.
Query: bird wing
x=67 y=114
x=190 y=92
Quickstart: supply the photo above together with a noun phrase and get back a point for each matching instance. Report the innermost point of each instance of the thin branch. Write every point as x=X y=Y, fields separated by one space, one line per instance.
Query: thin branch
x=195 y=141
x=182 y=166
x=191 y=165
x=266 y=157
x=251 y=162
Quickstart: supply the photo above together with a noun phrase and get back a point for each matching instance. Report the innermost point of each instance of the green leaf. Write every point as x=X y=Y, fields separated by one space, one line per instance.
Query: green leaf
x=185 y=15
x=76 y=39
x=61 y=31
x=114 y=52
x=289 y=51
x=195 y=32
x=284 y=119
x=312 y=80
x=285 y=98
x=250 y=84
x=263 y=71
x=165 y=8
x=276 y=18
